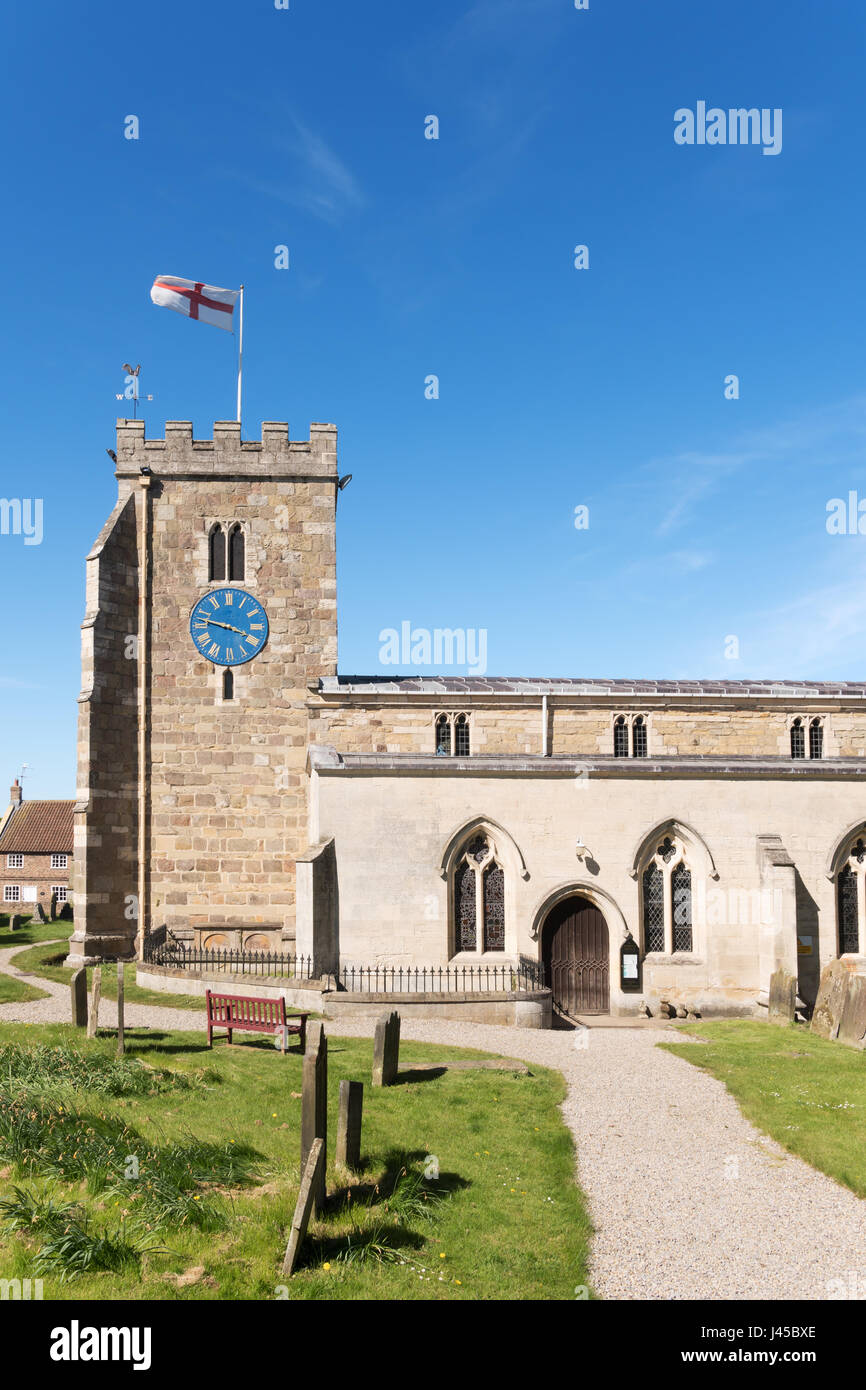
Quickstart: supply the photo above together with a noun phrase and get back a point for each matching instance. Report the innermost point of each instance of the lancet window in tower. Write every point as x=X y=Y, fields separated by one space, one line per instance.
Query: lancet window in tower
x=237 y=558
x=216 y=555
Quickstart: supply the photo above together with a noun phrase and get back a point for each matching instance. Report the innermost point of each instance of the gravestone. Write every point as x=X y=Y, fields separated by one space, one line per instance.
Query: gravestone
x=78 y=991
x=15 y=921
x=783 y=997
x=312 y=1181
x=386 y=1049
x=831 y=998
x=121 y=1037
x=54 y=907
x=852 y=1024
x=40 y=912
x=349 y=1124
x=314 y=1101
x=93 y=1020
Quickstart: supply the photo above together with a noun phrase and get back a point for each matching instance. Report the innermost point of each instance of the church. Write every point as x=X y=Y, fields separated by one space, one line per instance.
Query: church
x=637 y=841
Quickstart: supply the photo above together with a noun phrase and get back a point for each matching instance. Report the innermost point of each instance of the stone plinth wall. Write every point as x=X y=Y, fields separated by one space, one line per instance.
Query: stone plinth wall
x=520 y=1010
x=300 y=994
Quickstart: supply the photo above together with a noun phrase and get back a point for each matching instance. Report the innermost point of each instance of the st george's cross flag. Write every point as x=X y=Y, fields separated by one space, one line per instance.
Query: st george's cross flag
x=196 y=300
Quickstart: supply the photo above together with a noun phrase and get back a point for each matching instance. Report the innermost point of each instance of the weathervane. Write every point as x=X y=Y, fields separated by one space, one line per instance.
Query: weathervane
x=131 y=388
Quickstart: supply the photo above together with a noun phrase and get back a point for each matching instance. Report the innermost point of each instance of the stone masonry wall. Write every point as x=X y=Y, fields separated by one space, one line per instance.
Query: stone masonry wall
x=227 y=784
x=731 y=730
x=106 y=811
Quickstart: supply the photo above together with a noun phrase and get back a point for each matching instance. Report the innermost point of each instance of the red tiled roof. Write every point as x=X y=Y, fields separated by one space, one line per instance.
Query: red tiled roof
x=39 y=827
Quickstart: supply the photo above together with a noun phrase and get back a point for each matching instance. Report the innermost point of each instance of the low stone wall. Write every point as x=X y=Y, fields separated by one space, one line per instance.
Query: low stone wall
x=300 y=994
x=520 y=1009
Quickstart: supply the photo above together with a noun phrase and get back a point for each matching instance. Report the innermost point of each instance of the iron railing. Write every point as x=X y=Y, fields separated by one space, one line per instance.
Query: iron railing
x=160 y=948
x=439 y=979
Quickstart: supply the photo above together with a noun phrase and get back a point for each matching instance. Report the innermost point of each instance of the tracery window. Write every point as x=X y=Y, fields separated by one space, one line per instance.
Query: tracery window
x=479 y=897
x=638 y=738
x=666 y=885
x=851 y=898
x=443 y=736
x=452 y=735
x=633 y=726
x=807 y=738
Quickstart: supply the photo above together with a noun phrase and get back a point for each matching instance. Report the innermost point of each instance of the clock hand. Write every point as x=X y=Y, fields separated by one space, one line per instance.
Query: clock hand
x=213 y=623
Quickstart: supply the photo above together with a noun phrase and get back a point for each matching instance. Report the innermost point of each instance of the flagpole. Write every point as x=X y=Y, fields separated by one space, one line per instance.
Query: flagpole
x=240 y=350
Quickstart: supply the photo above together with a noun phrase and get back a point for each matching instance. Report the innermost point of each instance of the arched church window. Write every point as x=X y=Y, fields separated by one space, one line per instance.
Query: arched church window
x=638 y=738
x=851 y=898
x=653 y=908
x=681 y=888
x=849 y=935
x=228 y=684
x=494 y=908
x=461 y=736
x=443 y=736
x=465 y=907
x=620 y=738
x=237 y=547
x=216 y=556
x=479 y=897
x=798 y=739
x=666 y=891
x=816 y=739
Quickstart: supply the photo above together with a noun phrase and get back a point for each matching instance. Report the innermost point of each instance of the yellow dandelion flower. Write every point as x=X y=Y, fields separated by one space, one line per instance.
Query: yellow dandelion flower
x=442 y=1254
x=326 y=1265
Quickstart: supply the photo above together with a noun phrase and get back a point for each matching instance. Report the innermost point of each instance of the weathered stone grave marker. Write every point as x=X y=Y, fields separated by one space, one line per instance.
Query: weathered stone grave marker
x=831 y=998
x=386 y=1049
x=15 y=921
x=121 y=1038
x=349 y=1124
x=312 y=1180
x=78 y=992
x=314 y=1102
x=93 y=1019
x=783 y=997
x=852 y=1024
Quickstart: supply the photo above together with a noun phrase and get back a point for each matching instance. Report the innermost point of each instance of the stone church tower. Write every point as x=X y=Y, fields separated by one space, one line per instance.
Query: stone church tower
x=192 y=787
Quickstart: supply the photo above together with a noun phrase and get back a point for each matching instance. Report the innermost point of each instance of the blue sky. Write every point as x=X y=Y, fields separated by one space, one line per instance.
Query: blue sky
x=409 y=257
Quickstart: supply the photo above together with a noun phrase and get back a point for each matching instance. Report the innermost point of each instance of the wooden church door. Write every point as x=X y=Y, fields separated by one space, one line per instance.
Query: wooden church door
x=576 y=952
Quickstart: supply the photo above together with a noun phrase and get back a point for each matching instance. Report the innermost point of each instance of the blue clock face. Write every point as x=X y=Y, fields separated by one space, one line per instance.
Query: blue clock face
x=228 y=626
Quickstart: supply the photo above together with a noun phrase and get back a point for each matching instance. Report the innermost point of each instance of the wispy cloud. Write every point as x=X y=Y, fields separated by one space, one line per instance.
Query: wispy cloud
x=316 y=179
x=835 y=432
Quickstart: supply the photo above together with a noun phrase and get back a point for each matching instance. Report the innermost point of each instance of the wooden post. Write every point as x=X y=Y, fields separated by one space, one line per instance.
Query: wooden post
x=121 y=1041
x=78 y=991
x=314 y=1103
x=313 y=1178
x=349 y=1124
x=93 y=1017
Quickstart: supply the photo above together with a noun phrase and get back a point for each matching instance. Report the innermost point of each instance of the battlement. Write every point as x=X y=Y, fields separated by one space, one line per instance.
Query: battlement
x=178 y=455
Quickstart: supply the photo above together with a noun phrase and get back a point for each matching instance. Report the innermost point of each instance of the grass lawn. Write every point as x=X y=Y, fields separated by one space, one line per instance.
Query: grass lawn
x=807 y=1094
x=47 y=961
x=33 y=931
x=509 y=1222
x=14 y=991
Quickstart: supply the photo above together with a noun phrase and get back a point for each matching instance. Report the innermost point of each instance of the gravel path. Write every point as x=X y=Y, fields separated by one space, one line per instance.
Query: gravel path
x=688 y=1199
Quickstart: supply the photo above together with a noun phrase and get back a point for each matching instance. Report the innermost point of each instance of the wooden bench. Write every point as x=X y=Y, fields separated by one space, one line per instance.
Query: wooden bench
x=245 y=1014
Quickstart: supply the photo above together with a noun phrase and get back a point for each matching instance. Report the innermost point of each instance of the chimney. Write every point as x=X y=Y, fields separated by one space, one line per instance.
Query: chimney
x=15 y=793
